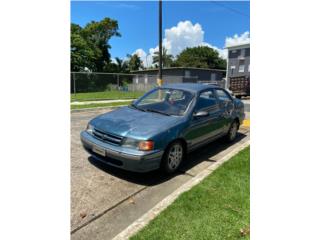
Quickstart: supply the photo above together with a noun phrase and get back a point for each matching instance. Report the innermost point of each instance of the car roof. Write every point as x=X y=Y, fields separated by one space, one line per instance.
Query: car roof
x=191 y=87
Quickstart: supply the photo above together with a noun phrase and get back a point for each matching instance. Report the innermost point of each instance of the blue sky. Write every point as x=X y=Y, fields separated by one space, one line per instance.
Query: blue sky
x=138 y=23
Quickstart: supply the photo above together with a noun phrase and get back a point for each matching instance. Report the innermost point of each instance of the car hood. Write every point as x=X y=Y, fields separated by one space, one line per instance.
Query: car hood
x=134 y=123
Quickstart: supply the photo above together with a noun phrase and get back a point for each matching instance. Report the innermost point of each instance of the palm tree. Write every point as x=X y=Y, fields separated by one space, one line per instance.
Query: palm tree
x=167 y=59
x=122 y=66
x=134 y=62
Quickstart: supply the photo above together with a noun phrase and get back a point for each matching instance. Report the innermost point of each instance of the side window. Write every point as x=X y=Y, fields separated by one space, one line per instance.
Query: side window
x=206 y=99
x=176 y=96
x=222 y=95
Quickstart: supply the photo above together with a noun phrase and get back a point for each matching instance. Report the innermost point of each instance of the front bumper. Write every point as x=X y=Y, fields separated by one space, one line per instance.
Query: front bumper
x=125 y=158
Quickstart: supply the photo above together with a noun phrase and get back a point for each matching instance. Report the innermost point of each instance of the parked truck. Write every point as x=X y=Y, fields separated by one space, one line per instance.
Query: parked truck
x=240 y=86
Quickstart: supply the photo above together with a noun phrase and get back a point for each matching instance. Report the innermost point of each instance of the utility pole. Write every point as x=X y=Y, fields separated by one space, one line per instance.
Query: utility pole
x=160 y=81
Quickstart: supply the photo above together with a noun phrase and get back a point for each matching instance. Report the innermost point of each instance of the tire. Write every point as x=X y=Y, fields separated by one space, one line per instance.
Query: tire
x=173 y=157
x=232 y=133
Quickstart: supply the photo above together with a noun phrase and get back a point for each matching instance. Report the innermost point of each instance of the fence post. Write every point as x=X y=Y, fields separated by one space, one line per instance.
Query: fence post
x=118 y=82
x=74 y=85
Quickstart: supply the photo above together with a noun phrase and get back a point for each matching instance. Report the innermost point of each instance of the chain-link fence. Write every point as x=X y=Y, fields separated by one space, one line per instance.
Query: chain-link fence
x=93 y=86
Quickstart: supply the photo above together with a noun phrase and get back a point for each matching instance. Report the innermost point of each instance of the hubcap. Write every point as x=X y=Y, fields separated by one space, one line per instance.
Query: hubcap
x=233 y=131
x=175 y=156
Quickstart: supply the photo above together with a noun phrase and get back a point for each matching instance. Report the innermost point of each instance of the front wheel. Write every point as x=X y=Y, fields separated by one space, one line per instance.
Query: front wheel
x=173 y=157
x=232 y=133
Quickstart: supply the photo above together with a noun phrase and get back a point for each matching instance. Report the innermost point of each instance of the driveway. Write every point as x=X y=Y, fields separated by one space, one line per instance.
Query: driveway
x=105 y=200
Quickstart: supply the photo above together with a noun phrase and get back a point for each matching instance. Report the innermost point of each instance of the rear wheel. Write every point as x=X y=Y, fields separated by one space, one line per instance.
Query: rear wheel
x=173 y=157
x=232 y=133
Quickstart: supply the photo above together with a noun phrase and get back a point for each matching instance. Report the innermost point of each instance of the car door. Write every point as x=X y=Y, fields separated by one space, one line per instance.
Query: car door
x=205 y=128
x=226 y=107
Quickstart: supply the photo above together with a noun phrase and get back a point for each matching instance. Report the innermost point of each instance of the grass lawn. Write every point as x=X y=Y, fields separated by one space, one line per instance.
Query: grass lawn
x=217 y=208
x=94 y=105
x=105 y=95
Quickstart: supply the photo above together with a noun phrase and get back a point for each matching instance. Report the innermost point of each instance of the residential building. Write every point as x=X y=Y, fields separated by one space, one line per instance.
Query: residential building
x=238 y=64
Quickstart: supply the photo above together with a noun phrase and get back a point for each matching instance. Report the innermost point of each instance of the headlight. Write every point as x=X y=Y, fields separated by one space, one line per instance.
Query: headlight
x=89 y=128
x=130 y=143
x=137 y=144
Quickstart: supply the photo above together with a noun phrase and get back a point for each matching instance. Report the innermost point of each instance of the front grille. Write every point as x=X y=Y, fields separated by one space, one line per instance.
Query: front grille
x=107 y=137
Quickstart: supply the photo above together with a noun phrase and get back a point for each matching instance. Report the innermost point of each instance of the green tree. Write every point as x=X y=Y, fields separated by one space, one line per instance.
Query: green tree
x=119 y=66
x=200 y=57
x=90 y=45
x=122 y=65
x=82 y=55
x=167 y=59
x=134 y=62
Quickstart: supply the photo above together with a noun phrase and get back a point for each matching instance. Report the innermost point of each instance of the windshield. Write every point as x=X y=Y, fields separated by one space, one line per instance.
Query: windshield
x=165 y=101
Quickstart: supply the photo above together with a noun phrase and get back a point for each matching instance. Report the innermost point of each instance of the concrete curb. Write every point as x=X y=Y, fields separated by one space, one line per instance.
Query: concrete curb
x=162 y=205
x=79 y=103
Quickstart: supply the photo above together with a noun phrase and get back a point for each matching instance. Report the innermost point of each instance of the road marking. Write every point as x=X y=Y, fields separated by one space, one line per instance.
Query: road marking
x=246 y=123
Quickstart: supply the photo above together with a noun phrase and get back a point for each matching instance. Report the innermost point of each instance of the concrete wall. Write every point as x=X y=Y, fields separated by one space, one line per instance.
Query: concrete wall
x=179 y=75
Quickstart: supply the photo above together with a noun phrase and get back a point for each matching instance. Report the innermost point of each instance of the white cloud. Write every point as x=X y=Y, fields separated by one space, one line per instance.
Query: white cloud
x=186 y=34
x=236 y=40
x=145 y=58
x=177 y=38
x=142 y=54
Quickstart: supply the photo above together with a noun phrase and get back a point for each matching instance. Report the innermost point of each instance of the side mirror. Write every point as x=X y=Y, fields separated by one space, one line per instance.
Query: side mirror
x=201 y=114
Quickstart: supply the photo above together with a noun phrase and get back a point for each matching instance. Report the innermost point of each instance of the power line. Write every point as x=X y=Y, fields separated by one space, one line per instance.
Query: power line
x=231 y=9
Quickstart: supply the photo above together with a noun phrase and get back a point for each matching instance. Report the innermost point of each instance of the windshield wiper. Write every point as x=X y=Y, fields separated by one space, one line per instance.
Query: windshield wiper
x=155 y=111
x=134 y=106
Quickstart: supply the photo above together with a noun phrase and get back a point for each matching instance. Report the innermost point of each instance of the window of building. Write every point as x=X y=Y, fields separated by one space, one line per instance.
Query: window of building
x=232 y=68
x=213 y=76
x=241 y=65
x=242 y=52
x=187 y=74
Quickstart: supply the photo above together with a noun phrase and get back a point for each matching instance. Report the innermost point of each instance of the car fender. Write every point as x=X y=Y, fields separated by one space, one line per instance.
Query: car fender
x=163 y=139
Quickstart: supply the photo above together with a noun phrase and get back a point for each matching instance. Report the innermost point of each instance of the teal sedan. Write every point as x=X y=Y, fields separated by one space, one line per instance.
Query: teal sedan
x=159 y=129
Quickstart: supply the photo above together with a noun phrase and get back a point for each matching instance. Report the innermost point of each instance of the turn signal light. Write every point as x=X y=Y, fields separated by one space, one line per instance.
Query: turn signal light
x=146 y=145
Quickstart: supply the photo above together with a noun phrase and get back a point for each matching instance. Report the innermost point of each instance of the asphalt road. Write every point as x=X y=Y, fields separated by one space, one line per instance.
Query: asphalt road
x=105 y=200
